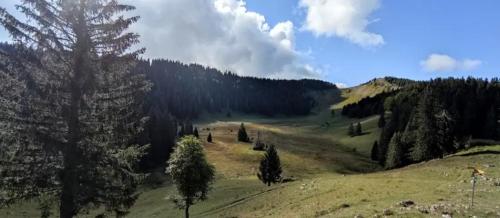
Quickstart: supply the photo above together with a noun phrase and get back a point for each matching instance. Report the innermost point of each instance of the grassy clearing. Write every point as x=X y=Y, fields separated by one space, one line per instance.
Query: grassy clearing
x=334 y=176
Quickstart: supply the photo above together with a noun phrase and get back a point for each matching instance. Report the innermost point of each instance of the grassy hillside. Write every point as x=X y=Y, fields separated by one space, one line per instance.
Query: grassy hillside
x=333 y=174
x=369 y=89
x=329 y=178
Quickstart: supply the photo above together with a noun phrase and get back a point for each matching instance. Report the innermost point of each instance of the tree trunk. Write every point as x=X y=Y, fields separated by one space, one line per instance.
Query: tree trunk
x=186 y=211
x=67 y=207
x=69 y=176
x=71 y=152
x=268 y=183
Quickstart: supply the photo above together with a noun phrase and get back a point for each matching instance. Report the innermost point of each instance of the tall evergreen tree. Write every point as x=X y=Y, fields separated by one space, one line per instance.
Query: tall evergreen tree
x=209 y=137
x=351 y=131
x=359 y=130
x=381 y=120
x=490 y=128
x=242 y=134
x=270 y=167
x=445 y=127
x=72 y=109
x=426 y=138
x=195 y=132
x=395 y=152
x=374 y=152
x=191 y=173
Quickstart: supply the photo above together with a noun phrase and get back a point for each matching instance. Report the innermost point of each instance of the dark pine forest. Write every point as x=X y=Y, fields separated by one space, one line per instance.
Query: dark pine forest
x=426 y=120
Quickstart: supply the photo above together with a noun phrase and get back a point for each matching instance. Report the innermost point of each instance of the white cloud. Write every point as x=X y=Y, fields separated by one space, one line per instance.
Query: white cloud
x=342 y=18
x=221 y=34
x=445 y=63
x=341 y=85
x=469 y=64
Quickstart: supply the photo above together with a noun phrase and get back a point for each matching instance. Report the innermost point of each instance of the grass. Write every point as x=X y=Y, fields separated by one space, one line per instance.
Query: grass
x=369 y=89
x=334 y=176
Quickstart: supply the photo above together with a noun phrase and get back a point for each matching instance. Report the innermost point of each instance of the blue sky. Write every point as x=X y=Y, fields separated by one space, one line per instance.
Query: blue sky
x=412 y=30
x=417 y=39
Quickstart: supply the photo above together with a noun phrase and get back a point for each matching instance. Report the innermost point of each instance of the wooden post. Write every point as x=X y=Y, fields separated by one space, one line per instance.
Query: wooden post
x=474 y=179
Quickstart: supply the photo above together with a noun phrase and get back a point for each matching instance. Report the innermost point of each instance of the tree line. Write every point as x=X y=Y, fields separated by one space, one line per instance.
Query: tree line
x=435 y=118
x=181 y=92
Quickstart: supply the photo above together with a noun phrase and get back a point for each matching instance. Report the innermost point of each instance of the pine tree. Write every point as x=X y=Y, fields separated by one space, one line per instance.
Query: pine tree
x=188 y=128
x=209 y=137
x=445 y=128
x=181 y=132
x=71 y=107
x=258 y=145
x=375 y=152
x=195 y=133
x=270 y=167
x=426 y=138
x=359 y=130
x=491 y=124
x=191 y=172
x=381 y=120
x=351 y=130
x=242 y=134
x=395 y=152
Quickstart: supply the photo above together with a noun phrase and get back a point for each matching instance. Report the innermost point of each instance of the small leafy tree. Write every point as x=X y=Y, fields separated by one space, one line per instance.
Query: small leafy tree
x=191 y=173
x=242 y=134
x=351 y=131
x=209 y=137
x=359 y=130
x=196 y=133
x=270 y=167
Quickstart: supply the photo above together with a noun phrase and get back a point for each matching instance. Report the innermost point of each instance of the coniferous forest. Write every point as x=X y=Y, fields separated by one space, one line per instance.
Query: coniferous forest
x=432 y=119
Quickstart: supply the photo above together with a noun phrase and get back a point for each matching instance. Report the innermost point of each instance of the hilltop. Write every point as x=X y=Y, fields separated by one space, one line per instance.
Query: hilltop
x=371 y=89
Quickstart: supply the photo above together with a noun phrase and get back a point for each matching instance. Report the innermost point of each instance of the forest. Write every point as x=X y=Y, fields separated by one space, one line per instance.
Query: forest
x=183 y=92
x=432 y=119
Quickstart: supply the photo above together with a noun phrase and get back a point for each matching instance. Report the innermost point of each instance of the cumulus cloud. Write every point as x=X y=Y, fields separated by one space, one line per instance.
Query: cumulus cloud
x=221 y=34
x=445 y=63
x=347 y=19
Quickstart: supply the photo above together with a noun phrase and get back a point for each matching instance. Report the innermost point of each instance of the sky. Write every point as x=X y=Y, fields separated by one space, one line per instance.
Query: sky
x=346 y=42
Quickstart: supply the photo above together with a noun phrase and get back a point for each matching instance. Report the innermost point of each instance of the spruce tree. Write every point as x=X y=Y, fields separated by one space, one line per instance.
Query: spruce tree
x=71 y=107
x=195 y=133
x=491 y=124
x=426 y=137
x=270 y=167
x=395 y=152
x=381 y=120
x=375 y=152
x=242 y=134
x=445 y=127
x=191 y=172
x=182 y=132
x=351 y=130
x=359 y=130
x=209 y=137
